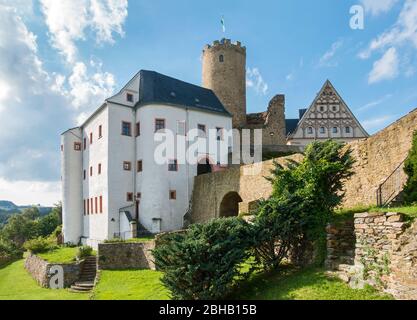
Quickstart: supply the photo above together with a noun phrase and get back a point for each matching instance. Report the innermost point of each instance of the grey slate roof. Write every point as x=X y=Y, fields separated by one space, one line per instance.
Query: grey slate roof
x=155 y=87
x=291 y=125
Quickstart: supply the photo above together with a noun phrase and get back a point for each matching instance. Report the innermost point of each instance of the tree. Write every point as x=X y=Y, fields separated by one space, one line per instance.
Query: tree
x=303 y=198
x=410 y=168
x=21 y=227
x=205 y=262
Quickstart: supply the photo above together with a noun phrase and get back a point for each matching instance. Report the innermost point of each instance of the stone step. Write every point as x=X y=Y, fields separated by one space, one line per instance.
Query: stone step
x=80 y=289
x=84 y=284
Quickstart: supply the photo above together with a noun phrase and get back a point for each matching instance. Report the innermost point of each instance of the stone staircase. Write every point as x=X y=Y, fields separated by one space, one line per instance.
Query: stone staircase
x=87 y=277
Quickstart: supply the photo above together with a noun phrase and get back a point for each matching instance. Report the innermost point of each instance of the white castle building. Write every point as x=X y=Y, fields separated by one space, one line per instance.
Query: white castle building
x=112 y=185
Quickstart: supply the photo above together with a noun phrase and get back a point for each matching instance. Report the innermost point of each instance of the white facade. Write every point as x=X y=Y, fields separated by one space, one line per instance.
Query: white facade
x=100 y=206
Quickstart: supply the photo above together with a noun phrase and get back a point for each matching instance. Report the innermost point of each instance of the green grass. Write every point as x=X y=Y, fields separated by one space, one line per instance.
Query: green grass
x=61 y=255
x=307 y=284
x=344 y=214
x=130 y=285
x=17 y=284
x=134 y=240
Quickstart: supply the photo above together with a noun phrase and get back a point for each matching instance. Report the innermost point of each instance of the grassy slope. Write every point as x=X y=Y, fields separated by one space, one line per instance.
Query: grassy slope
x=310 y=284
x=17 y=284
x=343 y=214
x=61 y=255
x=130 y=285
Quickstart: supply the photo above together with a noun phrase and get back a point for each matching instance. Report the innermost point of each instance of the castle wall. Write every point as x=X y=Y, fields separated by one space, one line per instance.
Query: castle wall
x=376 y=158
x=224 y=72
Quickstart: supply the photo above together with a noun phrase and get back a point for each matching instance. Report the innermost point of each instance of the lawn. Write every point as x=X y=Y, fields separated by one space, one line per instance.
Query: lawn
x=17 y=284
x=130 y=285
x=60 y=255
x=344 y=214
x=307 y=284
x=290 y=284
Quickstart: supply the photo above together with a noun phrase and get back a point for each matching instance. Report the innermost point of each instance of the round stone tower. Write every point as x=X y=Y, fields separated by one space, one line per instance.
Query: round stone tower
x=224 y=72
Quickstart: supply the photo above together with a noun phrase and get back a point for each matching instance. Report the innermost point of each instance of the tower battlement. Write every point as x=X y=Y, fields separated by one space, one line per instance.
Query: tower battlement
x=225 y=44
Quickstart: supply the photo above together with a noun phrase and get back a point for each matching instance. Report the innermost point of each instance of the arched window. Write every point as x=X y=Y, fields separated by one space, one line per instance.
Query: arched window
x=310 y=130
x=221 y=58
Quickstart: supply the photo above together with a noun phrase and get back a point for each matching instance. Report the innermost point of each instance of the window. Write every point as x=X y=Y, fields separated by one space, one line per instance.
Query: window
x=321 y=108
x=201 y=130
x=101 y=204
x=129 y=197
x=127 y=166
x=99 y=168
x=100 y=131
x=173 y=165
x=219 y=132
x=88 y=206
x=347 y=129
x=221 y=58
x=77 y=146
x=126 y=128
x=181 y=128
x=159 y=124
x=91 y=171
x=85 y=209
x=62 y=147
x=85 y=143
x=96 y=201
x=139 y=166
x=139 y=196
x=137 y=129
x=310 y=130
x=91 y=206
x=173 y=195
x=91 y=138
x=322 y=130
x=85 y=174
x=129 y=97
x=335 y=130
x=334 y=108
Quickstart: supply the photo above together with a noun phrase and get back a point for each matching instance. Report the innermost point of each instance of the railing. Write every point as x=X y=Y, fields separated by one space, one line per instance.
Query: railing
x=391 y=187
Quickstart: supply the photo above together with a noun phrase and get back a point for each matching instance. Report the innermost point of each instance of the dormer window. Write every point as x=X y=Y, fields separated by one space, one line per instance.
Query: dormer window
x=129 y=97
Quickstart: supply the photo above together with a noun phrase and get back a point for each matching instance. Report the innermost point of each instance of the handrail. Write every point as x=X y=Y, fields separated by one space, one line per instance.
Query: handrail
x=392 y=185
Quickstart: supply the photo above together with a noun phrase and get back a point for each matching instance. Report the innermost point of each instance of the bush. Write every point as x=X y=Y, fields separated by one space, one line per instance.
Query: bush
x=84 y=252
x=410 y=168
x=39 y=245
x=303 y=199
x=205 y=262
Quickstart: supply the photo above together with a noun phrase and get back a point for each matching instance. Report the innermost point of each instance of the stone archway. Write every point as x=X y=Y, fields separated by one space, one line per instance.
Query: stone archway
x=229 y=207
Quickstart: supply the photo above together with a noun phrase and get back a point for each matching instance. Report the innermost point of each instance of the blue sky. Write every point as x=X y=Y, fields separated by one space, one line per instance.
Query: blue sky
x=60 y=59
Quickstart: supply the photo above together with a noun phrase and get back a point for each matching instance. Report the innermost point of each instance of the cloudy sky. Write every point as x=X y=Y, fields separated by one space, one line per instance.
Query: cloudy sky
x=60 y=59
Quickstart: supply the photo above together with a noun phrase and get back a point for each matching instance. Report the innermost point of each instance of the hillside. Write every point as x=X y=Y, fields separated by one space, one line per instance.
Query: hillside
x=8 y=208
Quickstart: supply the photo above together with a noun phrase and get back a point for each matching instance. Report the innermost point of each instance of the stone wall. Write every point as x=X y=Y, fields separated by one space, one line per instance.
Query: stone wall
x=39 y=269
x=376 y=158
x=247 y=181
x=340 y=244
x=125 y=256
x=385 y=254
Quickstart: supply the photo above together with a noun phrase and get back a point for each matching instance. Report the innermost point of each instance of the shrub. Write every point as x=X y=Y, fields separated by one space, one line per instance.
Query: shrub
x=410 y=168
x=303 y=198
x=205 y=262
x=84 y=252
x=39 y=245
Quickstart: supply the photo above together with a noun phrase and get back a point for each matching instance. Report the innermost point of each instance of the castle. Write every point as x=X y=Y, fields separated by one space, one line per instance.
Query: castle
x=328 y=116
x=112 y=185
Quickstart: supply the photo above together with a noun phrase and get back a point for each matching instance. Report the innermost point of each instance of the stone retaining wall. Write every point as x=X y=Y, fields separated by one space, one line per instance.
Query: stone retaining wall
x=385 y=254
x=125 y=256
x=340 y=244
x=39 y=269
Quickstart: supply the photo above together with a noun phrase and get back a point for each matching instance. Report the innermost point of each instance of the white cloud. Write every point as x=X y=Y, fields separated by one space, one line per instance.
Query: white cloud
x=68 y=21
x=377 y=123
x=255 y=81
x=326 y=59
x=30 y=192
x=385 y=68
x=374 y=103
x=376 y=7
